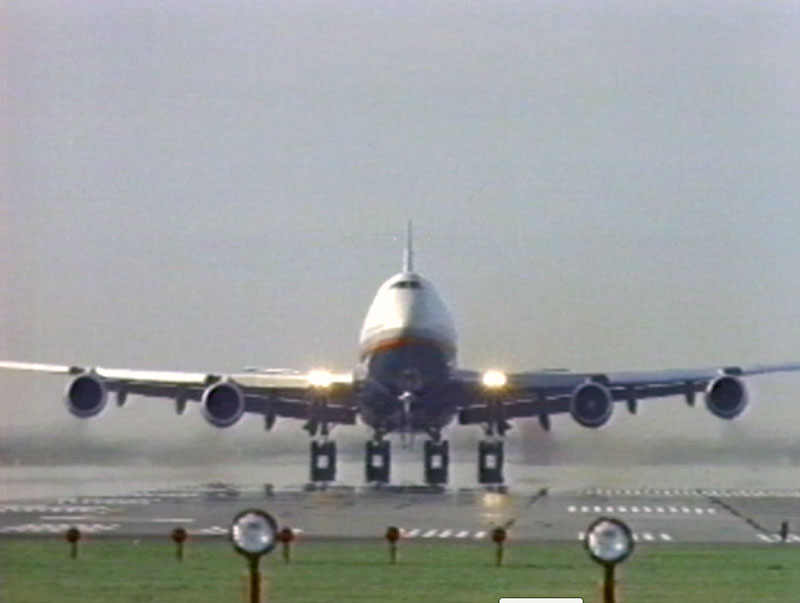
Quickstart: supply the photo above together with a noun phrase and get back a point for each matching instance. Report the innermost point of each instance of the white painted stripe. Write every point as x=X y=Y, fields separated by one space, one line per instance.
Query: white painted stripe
x=581 y=535
x=446 y=533
x=648 y=536
x=462 y=534
x=480 y=534
x=413 y=533
x=666 y=537
x=598 y=509
x=673 y=509
x=634 y=509
x=659 y=509
x=584 y=509
x=647 y=509
x=699 y=511
x=609 y=509
x=430 y=533
x=623 y=509
x=571 y=509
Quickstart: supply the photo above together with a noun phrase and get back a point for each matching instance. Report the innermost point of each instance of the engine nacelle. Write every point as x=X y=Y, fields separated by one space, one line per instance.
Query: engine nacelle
x=726 y=397
x=591 y=405
x=223 y=404
x=86 y=396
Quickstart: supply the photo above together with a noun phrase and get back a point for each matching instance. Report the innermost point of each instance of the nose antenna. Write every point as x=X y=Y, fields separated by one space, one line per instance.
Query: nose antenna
x=408 y=254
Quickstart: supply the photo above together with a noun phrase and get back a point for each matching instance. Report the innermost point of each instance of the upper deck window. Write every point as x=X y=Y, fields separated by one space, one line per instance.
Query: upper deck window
x=407 y=285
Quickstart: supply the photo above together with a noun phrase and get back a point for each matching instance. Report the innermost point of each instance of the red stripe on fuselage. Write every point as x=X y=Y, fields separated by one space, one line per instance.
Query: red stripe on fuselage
x=402 y=342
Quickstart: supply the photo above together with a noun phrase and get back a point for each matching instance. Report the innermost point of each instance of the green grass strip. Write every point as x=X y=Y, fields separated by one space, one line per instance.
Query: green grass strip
x=40 y=571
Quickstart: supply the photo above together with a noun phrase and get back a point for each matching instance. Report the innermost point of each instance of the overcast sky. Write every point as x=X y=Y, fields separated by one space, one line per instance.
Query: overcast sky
x=208 y=185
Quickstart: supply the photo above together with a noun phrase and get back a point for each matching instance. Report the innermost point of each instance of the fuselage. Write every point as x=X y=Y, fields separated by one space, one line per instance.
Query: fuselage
x=407 y=351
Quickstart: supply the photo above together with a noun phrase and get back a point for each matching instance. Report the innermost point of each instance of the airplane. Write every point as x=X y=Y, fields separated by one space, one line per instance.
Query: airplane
x=406 y=381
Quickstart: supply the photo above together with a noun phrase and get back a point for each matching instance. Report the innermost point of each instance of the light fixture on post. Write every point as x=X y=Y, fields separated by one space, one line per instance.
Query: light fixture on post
x=608 y=541
x=254 y=534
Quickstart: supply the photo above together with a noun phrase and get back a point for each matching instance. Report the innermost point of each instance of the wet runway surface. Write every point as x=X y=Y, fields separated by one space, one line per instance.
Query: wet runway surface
x=657 y=516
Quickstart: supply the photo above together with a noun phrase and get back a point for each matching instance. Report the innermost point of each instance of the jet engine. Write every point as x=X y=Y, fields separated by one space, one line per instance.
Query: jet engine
x=223 y=404
x=86 y=396
x=726 y=397
x=591 y=405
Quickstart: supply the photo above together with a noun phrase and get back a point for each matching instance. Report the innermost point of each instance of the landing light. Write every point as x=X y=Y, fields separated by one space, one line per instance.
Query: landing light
x=320 y=378
x=494 y=379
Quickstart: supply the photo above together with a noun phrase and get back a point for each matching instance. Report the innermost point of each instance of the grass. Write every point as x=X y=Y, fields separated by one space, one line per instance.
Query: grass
x=39 y=571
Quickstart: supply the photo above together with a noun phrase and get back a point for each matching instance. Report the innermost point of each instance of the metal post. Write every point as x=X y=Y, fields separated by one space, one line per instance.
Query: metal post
x=499 y=554
x=608 y=583
x=255 y=581
x=393 y=553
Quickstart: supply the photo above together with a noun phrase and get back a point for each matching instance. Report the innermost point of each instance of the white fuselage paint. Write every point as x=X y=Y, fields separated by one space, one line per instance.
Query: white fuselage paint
x=407 y=307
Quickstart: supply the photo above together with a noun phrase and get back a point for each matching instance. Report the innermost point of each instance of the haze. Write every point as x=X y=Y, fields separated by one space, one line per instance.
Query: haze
x=205 y=186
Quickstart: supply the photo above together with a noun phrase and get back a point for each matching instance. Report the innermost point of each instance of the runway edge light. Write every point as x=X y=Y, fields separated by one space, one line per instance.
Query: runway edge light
x=392 y=537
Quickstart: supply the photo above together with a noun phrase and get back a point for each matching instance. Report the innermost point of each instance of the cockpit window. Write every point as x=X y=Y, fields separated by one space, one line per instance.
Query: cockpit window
x=407 y=285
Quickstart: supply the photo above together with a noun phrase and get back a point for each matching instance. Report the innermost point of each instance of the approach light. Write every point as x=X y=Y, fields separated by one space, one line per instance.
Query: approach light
x=320 y=378
x=609 y=541
x=494 y=379
x=254 y=533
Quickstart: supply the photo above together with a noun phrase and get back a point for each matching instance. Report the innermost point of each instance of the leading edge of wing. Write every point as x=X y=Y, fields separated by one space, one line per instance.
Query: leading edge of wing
x=256 y=380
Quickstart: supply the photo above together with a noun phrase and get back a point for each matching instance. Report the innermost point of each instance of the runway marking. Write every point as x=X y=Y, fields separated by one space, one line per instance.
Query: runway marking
x=108 y=501
x=642 y=536
x=776 y=538
x=50 y=509
x=440 y=533
x=622 y=509
x=58 y=528
x=210 y=531
x=694 y=492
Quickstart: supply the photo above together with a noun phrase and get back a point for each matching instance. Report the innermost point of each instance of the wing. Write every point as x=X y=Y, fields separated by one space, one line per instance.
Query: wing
x=317 y=397
x=590 y=397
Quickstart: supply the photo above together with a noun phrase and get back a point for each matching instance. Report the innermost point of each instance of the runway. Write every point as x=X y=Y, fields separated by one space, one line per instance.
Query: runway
x=657 y=516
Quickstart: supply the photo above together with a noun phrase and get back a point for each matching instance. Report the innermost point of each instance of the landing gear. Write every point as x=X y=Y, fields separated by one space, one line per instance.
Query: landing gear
x=490 y=462
x=323 y=461
x=378 y=462
x=437 y=462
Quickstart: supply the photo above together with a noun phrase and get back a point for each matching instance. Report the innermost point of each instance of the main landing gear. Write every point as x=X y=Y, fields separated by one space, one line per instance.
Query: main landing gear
x=323 y=461
x=378 y=462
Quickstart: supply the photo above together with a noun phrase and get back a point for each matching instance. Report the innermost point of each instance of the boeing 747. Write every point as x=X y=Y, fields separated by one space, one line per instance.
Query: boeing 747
x=406 y=381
